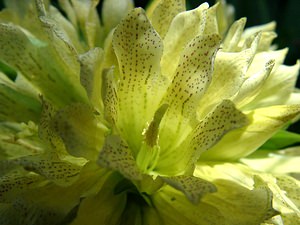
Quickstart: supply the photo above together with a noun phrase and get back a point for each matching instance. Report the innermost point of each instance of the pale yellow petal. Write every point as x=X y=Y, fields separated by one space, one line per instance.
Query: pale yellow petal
x=263 y=123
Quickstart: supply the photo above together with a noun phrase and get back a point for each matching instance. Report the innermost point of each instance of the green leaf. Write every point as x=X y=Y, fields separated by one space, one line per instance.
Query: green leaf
x=281 y=139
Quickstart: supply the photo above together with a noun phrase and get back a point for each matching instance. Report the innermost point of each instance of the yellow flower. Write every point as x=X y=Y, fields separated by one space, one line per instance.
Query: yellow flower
x=148 y=119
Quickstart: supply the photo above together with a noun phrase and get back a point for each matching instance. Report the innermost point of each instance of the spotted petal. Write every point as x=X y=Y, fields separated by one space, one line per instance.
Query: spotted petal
x=263 y=123
x=138 y=48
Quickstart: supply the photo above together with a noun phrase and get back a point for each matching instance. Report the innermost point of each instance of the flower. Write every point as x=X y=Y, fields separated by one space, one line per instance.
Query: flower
x=147 y=118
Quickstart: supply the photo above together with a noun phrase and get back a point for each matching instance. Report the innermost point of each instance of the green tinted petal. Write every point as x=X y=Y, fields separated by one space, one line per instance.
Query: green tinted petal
x=228 y=75
x=164 y=13
x=17 y=140
x=104 y=207
x=291 y=187
x=291 y=219
x=211 y=26
x=116 y=155
x=282 y=82
x=138 y=48
x=190 y=82
x=260 y=59
x=79 y=129
x=266 y=41
x=194 y=188
x=66 y=6
x=281 y=200
x=40 y=205
x=253 y=85
x=151 y=216
x=267 y=36
x=15 y=181
x=273 y=162
x=184 y=27
x=46 y=128
x=88 y=22
x=151 y=133
x=224 y=118
x=16 y=104
x=263 y=123
x=225 y=16
x=113 y=11
x=294 y=98
x=233 y=37
x=51 y=167
x=9 y=215
x=208 y=132
x=90 y=75
x=41 y=64
x=67 y=26
x=250 y=31
x=239 y=205
x=174 y=208
x=109 y=95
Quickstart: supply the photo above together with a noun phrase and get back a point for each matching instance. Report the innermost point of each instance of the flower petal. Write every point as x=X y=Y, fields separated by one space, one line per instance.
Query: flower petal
x=253 y=85
x=79 y=129
x=116 y=155
x=240 y=193
x=239 y=205
x=61 y=172
x=184 y=27
x=90 y=75
x=193 y=75
x=283 y=86
x=138 y=48
x=16 y=104
x=173 y=208
x=40 y=64
x=263 y=123
x=273 y=162
x=221 y=120
x=194 y=188
x=104 y=207
x=163 y=14
x=228 y=76
x=211 y=26
x=88 y=21
x=233 y=37
x=224 y=118
x=113 y=11
x=13 y=183
x=39 y=205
